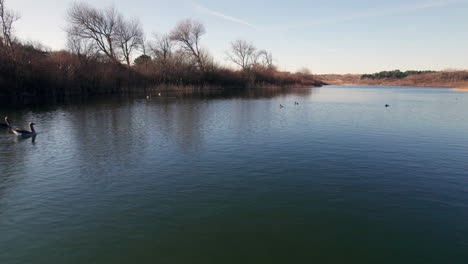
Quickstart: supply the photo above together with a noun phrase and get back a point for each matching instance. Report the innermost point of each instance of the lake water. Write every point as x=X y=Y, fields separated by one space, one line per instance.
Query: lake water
x=237 y=179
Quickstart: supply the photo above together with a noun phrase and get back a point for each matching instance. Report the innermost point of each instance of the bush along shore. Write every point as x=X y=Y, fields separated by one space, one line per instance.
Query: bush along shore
x=109 y=54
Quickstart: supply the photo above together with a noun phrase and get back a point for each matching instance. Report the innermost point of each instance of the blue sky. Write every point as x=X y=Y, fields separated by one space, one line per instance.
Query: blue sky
x=327 y=36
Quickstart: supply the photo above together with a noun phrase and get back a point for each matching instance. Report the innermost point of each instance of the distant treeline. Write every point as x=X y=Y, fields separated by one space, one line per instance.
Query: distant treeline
x=396 y=74
x=108 y=53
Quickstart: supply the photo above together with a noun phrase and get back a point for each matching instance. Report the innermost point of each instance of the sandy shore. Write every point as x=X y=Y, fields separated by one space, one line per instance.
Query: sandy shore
x=460 y=89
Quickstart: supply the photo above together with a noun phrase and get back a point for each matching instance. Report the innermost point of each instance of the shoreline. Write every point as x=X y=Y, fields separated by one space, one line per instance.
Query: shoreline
x=460 y=89
x=180 y=91
x=451 y=87
x=397 y=85
x=451 y=79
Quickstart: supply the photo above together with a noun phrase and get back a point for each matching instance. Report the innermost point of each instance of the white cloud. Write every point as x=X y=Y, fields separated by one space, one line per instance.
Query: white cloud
x=224 y=16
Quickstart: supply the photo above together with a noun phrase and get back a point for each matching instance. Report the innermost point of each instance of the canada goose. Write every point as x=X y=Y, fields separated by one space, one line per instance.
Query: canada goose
x=281 y=106
x=25 y=133
x=7 y=123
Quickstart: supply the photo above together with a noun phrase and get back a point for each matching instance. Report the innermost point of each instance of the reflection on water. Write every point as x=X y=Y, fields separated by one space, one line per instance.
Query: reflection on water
x=232 y=177
x=23 y=139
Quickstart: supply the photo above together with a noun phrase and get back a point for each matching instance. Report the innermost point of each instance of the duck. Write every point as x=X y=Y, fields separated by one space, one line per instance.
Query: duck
x=387 y=105
x=281 y=106
x=7 y=123
x=25 y=133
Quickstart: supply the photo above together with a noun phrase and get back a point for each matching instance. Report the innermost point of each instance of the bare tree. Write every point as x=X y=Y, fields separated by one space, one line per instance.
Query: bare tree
x=144 y=44
x=129 y=37
x=162 y=48
x=188 y=33
x=243 y=54
x=89 y=23
x=208 y=61
x=84 y=48
x=7 y=18
x=266 y=59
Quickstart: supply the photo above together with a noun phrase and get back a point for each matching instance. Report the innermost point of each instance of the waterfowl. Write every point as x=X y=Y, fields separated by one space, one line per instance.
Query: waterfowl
x=25 y=133
x=7 y=123
x=281 y=106
x=387 y=105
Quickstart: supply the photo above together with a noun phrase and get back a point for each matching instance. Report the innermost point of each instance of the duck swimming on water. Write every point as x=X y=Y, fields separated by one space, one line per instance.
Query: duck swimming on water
x=7 y=123
x=25 y=133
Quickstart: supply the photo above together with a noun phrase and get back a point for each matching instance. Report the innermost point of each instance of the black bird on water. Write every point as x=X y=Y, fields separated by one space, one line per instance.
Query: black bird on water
x=387 y=105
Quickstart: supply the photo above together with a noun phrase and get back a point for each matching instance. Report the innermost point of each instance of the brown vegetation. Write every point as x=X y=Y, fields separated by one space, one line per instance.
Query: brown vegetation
x=434 y=79
x=102 y=44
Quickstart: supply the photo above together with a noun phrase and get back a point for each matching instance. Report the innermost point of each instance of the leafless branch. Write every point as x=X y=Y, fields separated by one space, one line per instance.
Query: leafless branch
x=188 y=33
x=243 y=54
x=7 y=19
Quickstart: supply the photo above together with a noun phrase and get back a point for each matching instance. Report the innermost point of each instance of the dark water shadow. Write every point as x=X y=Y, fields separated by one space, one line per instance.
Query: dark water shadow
x=224 y=93
x=21 y=139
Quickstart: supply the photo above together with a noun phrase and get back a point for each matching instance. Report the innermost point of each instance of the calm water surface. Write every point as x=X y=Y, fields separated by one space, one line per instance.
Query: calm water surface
x=337 y=179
